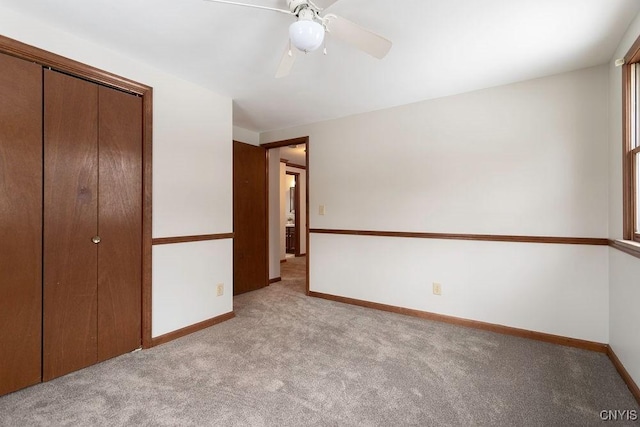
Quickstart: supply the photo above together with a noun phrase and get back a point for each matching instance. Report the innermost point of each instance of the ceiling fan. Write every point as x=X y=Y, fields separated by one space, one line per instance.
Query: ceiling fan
x=307 y=33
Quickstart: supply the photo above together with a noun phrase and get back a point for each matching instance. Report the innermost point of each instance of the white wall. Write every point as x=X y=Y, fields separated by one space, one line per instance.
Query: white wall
x=522 y=159
x=185 y=276
x=192 y=161
x=246 y=136
x=624 y=273
x=624 y=327
x=192 y=182
x=536 y=287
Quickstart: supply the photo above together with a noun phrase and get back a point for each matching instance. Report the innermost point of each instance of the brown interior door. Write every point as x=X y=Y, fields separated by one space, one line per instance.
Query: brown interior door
x=119 y=223
x=70 y=222
x=20 y=223
x=250 y=267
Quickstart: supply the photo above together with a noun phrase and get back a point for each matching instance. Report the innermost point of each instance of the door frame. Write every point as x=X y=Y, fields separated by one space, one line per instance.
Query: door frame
x=77 y=69
x=296 y=209
x=285 y=143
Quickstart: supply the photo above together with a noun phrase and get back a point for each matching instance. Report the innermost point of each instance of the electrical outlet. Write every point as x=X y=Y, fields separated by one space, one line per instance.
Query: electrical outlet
x=437 y=288
x=219 y=289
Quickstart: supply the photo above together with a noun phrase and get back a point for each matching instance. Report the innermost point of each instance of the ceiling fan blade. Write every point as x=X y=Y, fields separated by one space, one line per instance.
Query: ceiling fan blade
x=255 y=6
x=322 y=4
x=345 y=30
x=288 y=58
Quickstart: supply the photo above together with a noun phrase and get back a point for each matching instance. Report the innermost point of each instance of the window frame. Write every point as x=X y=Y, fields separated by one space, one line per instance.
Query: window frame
x=631 y=194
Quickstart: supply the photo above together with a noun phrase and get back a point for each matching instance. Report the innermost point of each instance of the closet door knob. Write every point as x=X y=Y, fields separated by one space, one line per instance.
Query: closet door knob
x=95 y=239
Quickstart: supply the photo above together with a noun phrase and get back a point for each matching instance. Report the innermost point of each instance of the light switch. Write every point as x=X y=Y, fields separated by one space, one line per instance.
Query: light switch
x=321 y=210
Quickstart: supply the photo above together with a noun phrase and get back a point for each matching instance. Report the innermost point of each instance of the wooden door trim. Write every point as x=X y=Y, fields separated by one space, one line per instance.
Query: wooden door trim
x=294 y=165
x=594 y=241
x=266 y=223
x=189 y=239
x=631 y=384
x=285 y=143
x=308 y=241
x=475 y=324
x=69 y=66
x=163 y=339
x=296 y=208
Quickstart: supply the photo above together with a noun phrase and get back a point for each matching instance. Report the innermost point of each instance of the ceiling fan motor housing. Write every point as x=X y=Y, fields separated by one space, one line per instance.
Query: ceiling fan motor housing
x=295 y=6
x=308 y=32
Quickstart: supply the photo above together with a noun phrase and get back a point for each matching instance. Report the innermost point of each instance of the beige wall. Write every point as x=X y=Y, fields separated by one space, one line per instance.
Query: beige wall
x=523 y=159
x=624 y=270
x=246 y=136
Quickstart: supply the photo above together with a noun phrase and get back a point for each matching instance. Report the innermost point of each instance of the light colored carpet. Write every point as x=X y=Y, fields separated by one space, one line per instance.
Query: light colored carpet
x=291 y=360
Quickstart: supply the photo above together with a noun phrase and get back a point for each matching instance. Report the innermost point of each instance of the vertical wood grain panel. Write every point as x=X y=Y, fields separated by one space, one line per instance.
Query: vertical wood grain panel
x=250 y=267
x=119 y=223
x=147 y=210
x=20 y=223
x=70 y=221
x=297 y=216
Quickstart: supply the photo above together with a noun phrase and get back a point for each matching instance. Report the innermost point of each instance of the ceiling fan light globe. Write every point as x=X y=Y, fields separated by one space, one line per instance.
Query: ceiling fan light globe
x=306 y=35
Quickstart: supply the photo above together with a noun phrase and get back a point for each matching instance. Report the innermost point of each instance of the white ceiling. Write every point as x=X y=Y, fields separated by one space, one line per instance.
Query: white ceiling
x=440 y=47
x=295 y=154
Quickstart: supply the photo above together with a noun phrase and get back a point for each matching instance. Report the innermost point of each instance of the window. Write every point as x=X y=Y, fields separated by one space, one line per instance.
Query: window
x=631 y=147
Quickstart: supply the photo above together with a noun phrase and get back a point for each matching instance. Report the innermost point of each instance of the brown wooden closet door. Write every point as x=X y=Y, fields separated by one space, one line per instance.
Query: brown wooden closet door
x=70 y=222
x=119 y=223
x=250 y=268
x=20 y=223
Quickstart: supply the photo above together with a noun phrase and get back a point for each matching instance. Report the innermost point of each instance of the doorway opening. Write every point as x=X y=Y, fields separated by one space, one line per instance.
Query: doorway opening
x=292 y=214
x=288 y=212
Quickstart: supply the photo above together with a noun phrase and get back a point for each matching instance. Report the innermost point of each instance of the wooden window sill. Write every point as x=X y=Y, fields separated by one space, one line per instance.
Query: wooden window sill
x=627 y=246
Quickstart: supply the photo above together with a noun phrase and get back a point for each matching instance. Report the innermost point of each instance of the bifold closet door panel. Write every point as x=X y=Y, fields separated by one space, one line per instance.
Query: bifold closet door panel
x=20 y=223
x=119 y=223
x=70 y=222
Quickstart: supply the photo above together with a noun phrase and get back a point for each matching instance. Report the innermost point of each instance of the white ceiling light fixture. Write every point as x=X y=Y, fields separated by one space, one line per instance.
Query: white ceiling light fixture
x=308 y=32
